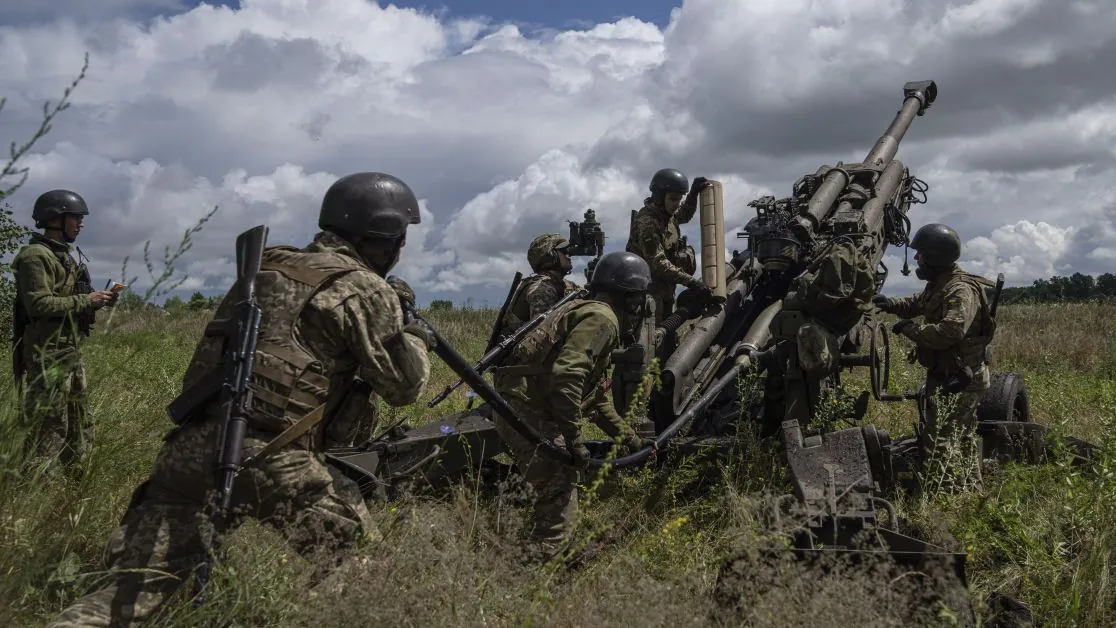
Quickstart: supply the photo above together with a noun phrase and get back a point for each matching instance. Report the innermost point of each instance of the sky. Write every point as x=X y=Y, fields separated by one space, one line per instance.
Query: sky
x=507 y=119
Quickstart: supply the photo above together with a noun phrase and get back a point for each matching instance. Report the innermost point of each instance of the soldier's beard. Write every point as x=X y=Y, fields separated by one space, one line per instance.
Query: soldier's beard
x=926 y=273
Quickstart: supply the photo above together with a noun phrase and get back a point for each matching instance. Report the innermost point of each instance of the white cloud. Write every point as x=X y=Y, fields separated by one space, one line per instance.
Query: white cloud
x=506 y=133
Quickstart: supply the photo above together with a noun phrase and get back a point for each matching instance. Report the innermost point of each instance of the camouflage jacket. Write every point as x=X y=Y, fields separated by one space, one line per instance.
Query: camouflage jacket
x=560 y=367
x=46 y=276
x=535 y=295
x=331 y=332
x=655 y=236
x=957 y=325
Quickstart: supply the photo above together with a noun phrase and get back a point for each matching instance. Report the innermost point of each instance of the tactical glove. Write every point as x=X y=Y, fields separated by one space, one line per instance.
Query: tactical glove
x=699 y=184
x=403 y=291
x=882 y=303
x=578 y=451
x=902 y=325
x=699 y=287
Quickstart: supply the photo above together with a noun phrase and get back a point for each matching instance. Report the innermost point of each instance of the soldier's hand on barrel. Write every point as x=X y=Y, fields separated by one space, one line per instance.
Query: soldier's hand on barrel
x=699 y=184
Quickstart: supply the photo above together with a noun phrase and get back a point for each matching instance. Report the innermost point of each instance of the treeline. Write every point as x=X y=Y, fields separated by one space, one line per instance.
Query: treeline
x=1076 y=288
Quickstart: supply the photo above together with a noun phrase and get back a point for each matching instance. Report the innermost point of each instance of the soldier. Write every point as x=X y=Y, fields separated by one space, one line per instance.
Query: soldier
x=331 y=331
x=952 y=342
x=53 y=313
x=655 y=236
x=539 y=292
x=555 y=374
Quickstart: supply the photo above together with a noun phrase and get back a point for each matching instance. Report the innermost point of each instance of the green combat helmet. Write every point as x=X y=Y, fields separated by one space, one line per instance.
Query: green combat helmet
x=542 y=254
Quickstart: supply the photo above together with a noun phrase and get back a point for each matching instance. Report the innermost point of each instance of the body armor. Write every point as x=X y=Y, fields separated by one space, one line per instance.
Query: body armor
x=288 y=381
x=972 y=350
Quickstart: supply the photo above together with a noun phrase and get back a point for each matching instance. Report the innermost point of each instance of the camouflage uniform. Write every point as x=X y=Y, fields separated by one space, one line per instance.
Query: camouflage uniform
x=328 y=324
x=554 y=375
x=655 y=236
x=52 y=294
x=539 y=292
x=955 y=334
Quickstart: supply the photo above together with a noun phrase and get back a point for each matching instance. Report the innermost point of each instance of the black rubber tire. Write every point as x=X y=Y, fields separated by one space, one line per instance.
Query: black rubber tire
x=1005 y=400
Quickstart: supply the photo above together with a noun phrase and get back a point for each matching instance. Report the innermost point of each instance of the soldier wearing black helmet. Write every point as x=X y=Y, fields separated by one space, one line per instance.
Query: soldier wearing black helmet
x=656 y=237
x=952 y=341
x=333 y=335
x=53 y=313
x=556 y=374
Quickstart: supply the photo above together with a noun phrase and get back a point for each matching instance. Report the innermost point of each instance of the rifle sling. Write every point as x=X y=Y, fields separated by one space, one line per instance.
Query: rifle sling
x=291 y=434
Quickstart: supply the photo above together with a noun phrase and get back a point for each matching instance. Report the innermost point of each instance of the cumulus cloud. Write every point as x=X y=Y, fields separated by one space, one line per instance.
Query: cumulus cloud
x=505 y=133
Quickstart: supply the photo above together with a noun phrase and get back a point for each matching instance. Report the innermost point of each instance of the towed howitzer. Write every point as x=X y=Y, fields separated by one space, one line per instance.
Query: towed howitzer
x=496 y=355
x=785 y=319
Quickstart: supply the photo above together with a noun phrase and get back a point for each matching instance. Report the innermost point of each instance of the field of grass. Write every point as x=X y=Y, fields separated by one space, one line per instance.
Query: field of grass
x=1045 y=535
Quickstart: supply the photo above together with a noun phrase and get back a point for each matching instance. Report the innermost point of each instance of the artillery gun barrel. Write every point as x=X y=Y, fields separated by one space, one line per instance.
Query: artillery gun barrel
x=917 y=97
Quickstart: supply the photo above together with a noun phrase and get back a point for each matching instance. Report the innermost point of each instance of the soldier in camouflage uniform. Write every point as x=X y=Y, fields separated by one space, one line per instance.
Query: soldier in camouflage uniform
x=53 y=313
x=539 y=292
x=332 y=330
x=656 y=237
x=555 y=375
x=952 y=341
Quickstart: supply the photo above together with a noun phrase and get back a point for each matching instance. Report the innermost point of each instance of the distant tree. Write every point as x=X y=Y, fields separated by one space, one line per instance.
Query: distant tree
x=441 y=305
x=1106 y=286
x=197 y=302
x=174 y=304
x=1080 y=287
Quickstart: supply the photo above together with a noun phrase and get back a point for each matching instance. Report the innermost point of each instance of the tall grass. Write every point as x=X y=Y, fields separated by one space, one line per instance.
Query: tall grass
x=659 y=536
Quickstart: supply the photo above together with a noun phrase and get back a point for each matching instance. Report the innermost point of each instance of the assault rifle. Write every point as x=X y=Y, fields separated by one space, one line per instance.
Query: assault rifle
x=497 y=354
x=240 y=331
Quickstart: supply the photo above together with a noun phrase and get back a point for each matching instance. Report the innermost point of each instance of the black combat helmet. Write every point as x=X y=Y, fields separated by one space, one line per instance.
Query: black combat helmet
x=57 y=203
x=621 y=272
x=369 y=204
x=937 y=244
x=669 y=180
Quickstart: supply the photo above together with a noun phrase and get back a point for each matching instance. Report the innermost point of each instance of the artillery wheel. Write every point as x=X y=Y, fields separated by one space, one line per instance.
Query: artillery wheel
x=1005 y=400
x=879 y=353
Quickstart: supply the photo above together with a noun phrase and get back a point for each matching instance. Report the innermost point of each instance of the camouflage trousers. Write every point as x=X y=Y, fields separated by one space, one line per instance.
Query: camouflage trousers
x=55 y=409
x=958 y=425
x=163 y=536
x=554 y=484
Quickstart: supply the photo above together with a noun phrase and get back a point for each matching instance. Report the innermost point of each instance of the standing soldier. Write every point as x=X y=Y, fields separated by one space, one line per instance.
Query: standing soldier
x=952 y=342
x=539 y=292
x=555 y=374
x=655 y=236
x=53 y=313
x=331 y=332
